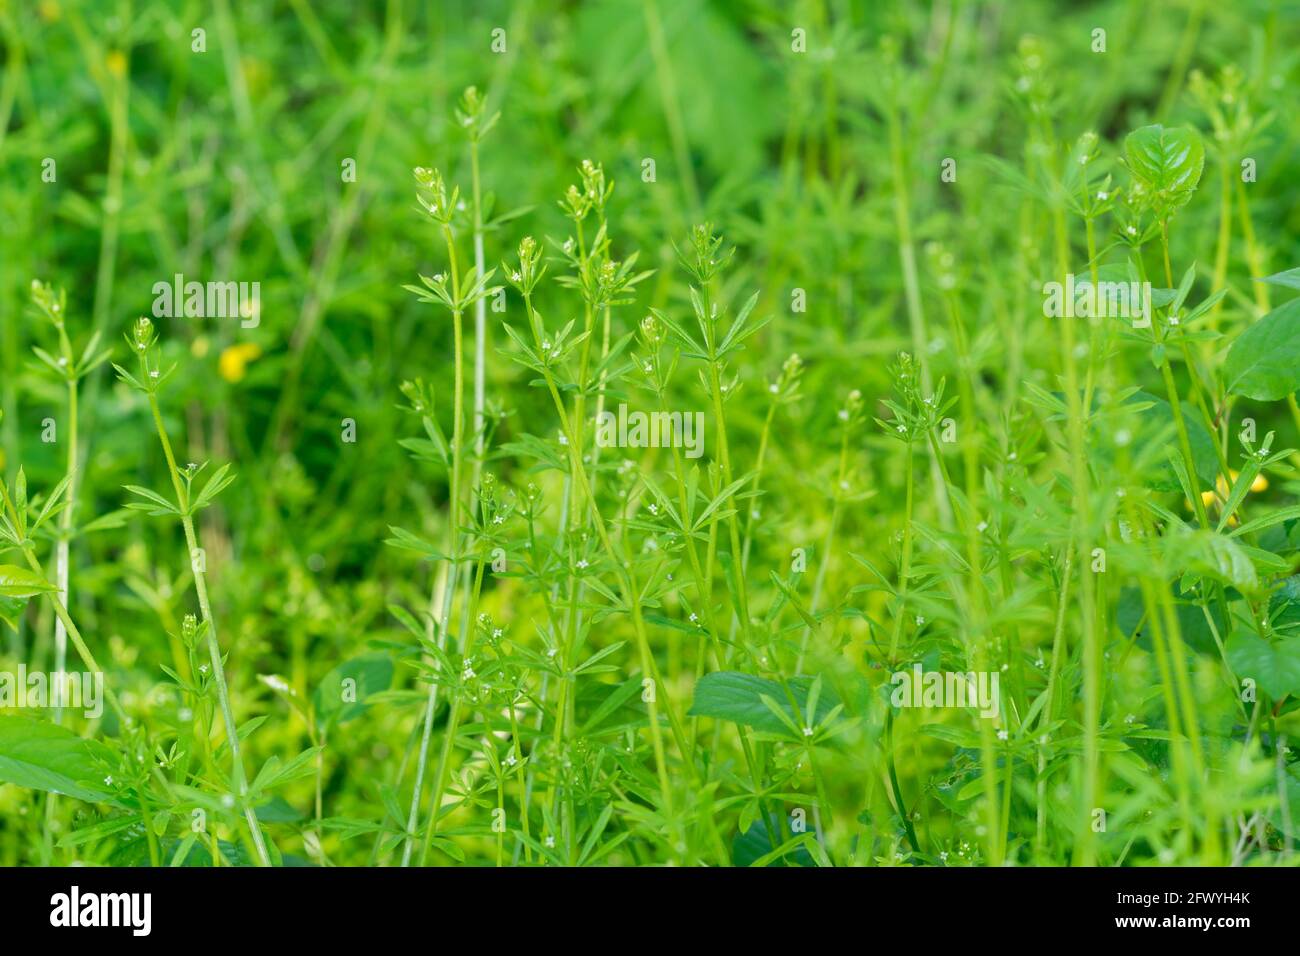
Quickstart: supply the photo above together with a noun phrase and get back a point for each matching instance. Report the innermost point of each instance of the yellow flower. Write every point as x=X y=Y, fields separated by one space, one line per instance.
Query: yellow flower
x=116 y=63
x=233 y=362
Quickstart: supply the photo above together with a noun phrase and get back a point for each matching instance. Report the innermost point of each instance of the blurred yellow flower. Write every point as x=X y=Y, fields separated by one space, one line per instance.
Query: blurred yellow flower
x=116 y=63
x=234 y=360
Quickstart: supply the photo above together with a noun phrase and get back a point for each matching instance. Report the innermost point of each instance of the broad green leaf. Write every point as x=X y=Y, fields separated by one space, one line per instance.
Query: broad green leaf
x=730 y=695
x=1192 y=624
x=1289 y=279
x=1274 y=665
x=11 y=610
x=1284 y=606
x=755 y=844
x=1156 y=431
x=16 y=582
x=1213 y=554
x=1264 y=361
x=44 y=756
x=1167 y=162
x=343 y=692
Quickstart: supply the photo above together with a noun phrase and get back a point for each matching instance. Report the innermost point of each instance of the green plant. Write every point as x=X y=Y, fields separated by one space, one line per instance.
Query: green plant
x=897 y=468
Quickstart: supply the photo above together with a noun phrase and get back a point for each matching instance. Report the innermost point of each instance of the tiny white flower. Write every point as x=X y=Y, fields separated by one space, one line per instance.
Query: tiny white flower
x=1103 y=196
x=1002 y=735
x=550 y=842
x=108 y=781
x=807 y=731
x=582 y=563
x=694 y=617
x=497 y=632
x=919 y=620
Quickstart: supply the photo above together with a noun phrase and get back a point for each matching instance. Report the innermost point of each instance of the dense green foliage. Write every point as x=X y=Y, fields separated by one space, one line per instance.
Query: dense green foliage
x=370 y=521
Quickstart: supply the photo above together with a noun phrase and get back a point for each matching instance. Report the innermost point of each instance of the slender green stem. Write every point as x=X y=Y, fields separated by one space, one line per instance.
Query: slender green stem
x=239 y=787
x=440 y=599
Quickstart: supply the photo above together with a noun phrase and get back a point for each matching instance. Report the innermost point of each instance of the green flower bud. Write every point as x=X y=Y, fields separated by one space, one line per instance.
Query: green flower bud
x=142 y=334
